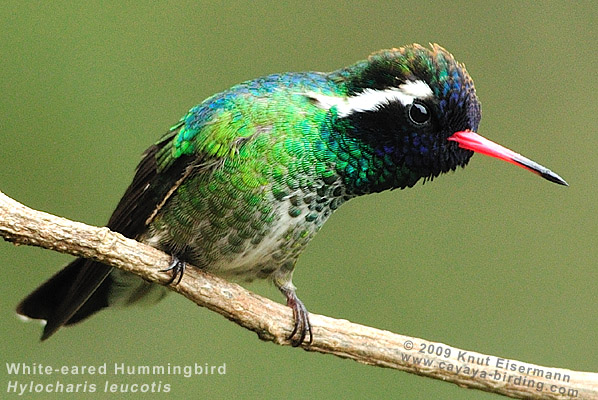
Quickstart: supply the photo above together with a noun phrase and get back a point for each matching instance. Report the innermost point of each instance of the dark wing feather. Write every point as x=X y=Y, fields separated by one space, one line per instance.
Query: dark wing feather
x=148 y=189
x=82 y=287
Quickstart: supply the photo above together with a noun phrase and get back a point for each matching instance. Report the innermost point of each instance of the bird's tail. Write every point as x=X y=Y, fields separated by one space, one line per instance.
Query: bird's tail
x=73 y=294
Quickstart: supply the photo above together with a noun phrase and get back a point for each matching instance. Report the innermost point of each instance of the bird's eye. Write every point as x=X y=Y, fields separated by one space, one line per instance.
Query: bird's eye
x=419 y=113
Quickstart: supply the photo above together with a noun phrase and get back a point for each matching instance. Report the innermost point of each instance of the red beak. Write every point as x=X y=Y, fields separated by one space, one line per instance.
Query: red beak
x=472 y=141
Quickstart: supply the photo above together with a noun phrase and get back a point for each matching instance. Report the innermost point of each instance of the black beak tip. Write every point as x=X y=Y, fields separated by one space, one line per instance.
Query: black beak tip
x=539 y=170
x=552 y=177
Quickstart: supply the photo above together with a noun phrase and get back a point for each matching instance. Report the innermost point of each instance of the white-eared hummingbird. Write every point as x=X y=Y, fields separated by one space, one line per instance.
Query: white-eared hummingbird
x=244 y=180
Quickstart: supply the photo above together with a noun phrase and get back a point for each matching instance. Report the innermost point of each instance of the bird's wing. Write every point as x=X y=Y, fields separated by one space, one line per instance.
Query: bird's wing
x=81 y=288
x=150 y=187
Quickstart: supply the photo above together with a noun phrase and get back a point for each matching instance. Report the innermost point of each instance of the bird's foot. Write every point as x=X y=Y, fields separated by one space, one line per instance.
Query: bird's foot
x=301 y=316
x=178 y=269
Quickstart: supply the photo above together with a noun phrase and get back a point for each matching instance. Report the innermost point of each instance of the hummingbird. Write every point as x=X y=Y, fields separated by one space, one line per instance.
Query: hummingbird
x=241 y=184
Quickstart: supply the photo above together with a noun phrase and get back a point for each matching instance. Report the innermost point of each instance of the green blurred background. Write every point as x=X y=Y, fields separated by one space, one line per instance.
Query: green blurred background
x=491 y=259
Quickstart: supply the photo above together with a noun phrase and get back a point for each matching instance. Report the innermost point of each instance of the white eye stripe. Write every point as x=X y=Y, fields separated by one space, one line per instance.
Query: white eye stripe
x=370 y=99
x=417 y=89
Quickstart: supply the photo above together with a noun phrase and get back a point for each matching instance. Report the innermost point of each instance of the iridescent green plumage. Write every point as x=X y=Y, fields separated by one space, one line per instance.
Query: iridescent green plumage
x=267 y=180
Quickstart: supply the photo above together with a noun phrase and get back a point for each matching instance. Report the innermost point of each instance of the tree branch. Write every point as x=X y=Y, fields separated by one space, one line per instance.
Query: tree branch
x=273 y=322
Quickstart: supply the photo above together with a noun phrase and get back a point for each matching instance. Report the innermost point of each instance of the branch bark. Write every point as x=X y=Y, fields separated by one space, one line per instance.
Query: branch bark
x=273 y=322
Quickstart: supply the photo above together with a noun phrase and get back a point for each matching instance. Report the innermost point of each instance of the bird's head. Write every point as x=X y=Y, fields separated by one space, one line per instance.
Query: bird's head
x=413 y=112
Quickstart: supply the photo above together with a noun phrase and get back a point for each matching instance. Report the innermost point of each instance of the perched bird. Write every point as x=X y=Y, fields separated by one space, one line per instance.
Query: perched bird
x=244 y=180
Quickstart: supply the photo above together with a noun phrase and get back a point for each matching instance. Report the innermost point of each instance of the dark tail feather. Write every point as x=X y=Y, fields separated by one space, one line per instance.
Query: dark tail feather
x=73 y=294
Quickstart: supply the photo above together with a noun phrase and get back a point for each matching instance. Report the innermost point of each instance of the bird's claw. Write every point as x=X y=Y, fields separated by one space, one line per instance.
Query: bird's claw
x=302 y=326
x=178 y=269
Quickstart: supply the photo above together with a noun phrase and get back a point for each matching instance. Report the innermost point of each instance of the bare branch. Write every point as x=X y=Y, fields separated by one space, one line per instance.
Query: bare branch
x=273 y=322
